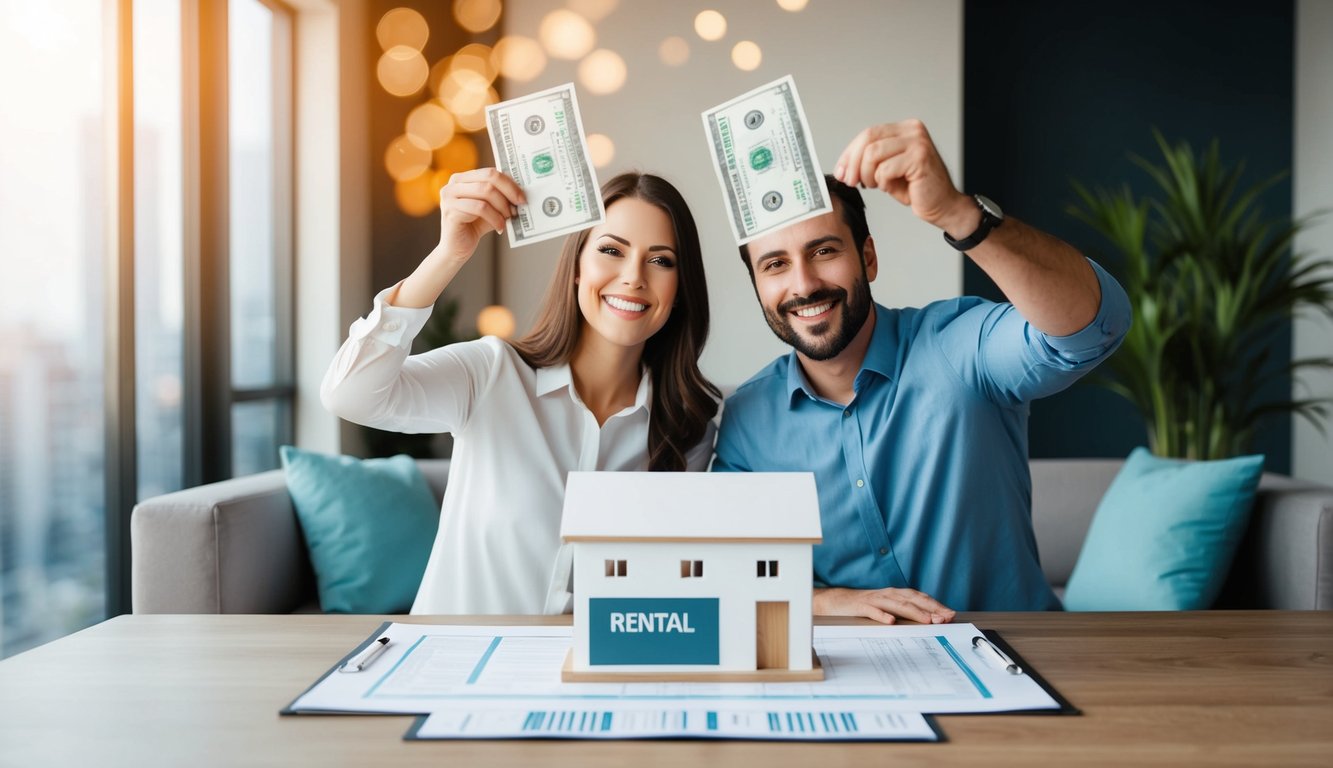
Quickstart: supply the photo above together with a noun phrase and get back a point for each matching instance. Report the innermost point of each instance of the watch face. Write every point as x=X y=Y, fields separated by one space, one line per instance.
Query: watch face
x=989 y=206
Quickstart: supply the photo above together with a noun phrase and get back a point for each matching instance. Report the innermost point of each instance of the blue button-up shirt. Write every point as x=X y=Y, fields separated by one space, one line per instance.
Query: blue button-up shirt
x=923 y=478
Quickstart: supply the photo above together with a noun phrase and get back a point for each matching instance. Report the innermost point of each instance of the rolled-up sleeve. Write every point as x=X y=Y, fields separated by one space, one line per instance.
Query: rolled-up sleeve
x=1098 y=339
x=997 y=352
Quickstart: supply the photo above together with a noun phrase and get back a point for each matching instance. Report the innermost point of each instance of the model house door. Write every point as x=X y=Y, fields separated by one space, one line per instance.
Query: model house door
x=771 y=632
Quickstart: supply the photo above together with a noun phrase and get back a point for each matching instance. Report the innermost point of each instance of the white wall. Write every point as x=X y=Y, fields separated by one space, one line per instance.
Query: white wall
x=856 y=63
x=1312 y=453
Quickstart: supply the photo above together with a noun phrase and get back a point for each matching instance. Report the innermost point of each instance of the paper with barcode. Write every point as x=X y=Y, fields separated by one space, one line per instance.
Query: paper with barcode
x=538 y=141
x=765 y=160
x=802 y=721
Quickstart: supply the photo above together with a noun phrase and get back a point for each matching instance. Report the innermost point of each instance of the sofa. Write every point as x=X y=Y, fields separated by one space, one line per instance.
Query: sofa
x=236 y=546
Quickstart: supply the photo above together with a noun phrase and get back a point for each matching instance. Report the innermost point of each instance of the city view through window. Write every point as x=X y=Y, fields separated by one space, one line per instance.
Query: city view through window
x=54 y=251
x=52 y=242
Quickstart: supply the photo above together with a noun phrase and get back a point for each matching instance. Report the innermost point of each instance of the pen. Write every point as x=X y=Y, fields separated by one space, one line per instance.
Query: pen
x=364 y=658
x=996 y=656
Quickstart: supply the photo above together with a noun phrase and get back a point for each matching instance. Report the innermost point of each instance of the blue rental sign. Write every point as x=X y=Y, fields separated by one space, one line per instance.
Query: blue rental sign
x=652 y=630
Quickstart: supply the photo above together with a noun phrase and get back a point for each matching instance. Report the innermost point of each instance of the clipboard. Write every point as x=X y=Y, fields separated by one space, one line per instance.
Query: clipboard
x=287 y=711
x=1065 y=708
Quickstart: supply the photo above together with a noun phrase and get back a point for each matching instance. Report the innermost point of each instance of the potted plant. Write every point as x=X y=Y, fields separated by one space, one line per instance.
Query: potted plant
x=1213 y=283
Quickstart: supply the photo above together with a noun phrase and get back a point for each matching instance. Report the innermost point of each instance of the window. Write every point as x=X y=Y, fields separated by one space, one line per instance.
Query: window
x=159 y=239
x=53 y=251
x=259 y=106
x=145 y=310
x=616 y=568
x=767 y=568
x=691 y=569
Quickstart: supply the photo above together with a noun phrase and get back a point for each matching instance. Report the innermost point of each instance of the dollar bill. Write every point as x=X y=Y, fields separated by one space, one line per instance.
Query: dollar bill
x=765 y=160
x=538 y=141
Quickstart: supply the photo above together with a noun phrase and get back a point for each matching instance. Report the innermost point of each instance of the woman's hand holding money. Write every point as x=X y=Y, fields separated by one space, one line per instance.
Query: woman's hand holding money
x=471 y=204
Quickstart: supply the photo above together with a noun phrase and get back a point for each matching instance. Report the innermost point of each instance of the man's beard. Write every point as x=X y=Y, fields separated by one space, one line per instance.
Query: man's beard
x=826 y=343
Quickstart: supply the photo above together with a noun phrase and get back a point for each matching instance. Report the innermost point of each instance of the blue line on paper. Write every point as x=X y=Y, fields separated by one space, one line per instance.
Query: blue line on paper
x=371 y=691
x=485 y=657
x=944 y=641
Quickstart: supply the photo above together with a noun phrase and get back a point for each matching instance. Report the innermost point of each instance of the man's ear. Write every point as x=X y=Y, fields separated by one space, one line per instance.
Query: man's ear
x=870 y=258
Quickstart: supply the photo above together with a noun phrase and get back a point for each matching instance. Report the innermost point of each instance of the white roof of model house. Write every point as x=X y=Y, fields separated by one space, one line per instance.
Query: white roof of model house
x=691 y=506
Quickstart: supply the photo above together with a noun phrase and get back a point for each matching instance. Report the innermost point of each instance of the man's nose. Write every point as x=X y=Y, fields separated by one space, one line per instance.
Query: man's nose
x=804 y=281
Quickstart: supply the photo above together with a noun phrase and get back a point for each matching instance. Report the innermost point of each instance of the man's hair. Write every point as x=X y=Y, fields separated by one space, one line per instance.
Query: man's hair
x=849 y=203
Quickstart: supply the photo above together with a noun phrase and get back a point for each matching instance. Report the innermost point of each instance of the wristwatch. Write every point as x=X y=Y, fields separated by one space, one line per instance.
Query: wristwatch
x=991 y=217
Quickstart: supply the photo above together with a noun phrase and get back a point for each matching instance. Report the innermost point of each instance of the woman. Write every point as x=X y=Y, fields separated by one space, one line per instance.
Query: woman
x=608 y=379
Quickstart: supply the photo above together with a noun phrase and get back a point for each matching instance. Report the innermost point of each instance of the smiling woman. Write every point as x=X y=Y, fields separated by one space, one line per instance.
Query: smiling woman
x=607 y=379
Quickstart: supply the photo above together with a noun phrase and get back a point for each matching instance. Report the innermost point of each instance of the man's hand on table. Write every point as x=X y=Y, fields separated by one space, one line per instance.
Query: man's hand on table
x=883 y=605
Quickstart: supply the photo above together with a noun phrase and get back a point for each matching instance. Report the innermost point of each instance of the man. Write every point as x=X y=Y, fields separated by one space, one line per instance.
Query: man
x=914 y=421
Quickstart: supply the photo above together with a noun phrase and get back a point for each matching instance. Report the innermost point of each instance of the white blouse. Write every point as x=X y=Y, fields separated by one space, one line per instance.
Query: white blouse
x=517 y=432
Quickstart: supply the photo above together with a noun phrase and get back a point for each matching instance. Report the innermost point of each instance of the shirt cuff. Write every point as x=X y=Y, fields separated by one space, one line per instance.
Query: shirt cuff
x=395 y=326
x=1106 y=329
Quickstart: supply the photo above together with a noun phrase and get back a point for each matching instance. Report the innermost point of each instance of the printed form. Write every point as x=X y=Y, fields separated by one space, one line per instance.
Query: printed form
x=510 y=677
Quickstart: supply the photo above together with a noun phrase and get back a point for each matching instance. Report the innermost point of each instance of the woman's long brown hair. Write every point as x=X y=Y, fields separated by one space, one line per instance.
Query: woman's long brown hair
x=683 y=400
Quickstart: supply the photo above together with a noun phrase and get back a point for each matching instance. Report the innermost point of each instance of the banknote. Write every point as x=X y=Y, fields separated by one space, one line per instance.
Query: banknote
x=538 y=140
x=765 y=160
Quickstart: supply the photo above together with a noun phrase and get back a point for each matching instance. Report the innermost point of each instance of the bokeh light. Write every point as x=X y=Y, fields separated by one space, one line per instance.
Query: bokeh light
x=518 y=58
x=710 y=25
x=601 y=149
x=496 y=320
x=475 y=120
x=746 y=55
x=476 y=58
x=674 y=51
x=459 y=155
x=602 y=71
x=417 y=196
x=593 y=10
x=476 y=15
x=402 y=26
x=405 y=158
x=402 y=70
x=792 y=5
x=438 y=71
x=463 y=92
x=566 y=35
x=430 y=125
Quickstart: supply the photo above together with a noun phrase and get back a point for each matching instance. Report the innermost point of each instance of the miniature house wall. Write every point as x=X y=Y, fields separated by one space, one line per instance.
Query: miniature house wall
x=692 y=574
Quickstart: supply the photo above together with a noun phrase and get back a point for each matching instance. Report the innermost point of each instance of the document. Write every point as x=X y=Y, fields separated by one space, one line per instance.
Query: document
x=910 y=669
x=628 y=720
x=765 y=160
x=538 y=140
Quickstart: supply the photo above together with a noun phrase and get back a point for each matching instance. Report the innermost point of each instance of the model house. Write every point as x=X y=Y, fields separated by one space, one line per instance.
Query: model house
x=691 y=575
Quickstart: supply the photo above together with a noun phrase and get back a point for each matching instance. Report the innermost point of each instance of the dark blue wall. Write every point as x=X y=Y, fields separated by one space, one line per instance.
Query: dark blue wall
x=1055 y=91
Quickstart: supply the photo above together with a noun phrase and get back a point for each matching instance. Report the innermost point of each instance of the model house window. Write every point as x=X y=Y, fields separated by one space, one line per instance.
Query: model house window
x=691 y=569
x=767 y=568
x=616 y=568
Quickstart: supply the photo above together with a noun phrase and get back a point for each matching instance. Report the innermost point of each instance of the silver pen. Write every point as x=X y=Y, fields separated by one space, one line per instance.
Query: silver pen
x=364 y=658
x=996 y=656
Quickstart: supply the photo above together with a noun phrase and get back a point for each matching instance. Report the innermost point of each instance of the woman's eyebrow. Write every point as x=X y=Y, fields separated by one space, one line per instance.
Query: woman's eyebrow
x=623 y=241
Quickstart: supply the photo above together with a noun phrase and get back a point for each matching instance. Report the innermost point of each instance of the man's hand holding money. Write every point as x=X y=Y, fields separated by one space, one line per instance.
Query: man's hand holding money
x=901 y=159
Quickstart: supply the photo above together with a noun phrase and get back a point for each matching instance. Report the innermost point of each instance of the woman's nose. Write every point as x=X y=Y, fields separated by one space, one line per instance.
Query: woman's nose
x=631 y=273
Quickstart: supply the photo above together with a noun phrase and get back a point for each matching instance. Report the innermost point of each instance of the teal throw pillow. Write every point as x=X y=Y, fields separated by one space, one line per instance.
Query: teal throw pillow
x=1164 y=535
x=369 y=525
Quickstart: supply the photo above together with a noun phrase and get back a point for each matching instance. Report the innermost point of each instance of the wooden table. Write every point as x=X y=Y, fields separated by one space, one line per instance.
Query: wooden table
x=1209 y=688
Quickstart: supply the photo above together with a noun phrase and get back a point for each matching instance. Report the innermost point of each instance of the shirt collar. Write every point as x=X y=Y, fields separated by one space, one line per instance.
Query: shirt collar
x=557 y=377
x=881 y=357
